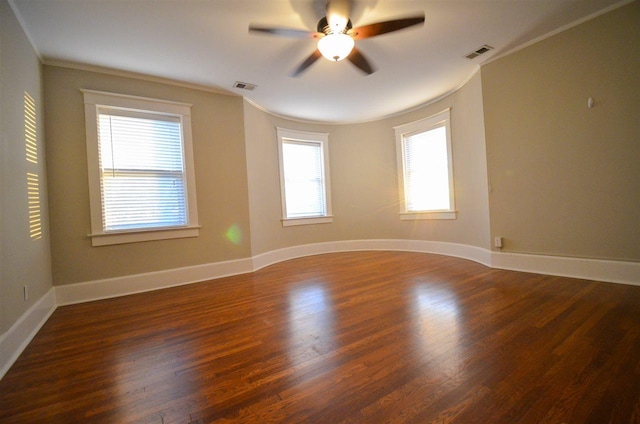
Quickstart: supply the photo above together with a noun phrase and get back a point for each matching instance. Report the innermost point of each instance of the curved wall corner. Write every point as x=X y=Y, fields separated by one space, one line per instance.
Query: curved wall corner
x=364 y=179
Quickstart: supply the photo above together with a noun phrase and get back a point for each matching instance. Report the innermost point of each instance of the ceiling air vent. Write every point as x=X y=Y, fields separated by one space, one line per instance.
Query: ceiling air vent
x=244 y=85
x=478 y=52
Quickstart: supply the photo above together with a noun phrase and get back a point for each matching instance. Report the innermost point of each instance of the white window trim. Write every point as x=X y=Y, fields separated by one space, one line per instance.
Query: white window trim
x=289 y=222
x=93 y=100
x=305 y=136
x=440 y=119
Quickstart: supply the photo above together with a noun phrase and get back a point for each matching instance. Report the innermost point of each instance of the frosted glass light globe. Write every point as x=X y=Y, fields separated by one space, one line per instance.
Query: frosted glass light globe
x=335 y=46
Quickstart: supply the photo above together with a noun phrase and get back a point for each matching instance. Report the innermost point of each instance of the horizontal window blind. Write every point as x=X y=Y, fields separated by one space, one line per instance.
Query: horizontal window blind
x=142 y=171
x=426 y=170
x=303 y=179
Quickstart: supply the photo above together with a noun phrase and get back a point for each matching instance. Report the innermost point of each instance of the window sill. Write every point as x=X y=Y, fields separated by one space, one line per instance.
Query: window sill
x=289 y=222
x=136 y=236
x=413 y=216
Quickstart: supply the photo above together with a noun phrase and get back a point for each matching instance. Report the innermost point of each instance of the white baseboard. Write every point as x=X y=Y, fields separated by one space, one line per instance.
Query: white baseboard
x=16 y=339
x=590 y=269
x=138 y=283
x=473 y=253
x=13 y=342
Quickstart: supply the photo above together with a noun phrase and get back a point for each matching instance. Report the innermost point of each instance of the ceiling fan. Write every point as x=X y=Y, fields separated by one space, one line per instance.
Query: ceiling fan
x=336 y=36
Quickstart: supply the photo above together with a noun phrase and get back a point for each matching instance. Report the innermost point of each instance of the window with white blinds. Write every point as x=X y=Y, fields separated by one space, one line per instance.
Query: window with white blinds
x=140 y=156
x=142 y=171
x=304 y=177
x=425 y=168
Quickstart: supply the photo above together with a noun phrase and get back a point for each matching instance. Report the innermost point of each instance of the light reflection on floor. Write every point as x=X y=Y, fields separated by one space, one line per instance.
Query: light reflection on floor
x=311 y=328
x=151 y=363
x=311 y=319
x=436 y=318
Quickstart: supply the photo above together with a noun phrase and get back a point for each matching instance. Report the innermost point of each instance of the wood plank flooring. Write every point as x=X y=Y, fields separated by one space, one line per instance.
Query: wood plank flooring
x=361 y=337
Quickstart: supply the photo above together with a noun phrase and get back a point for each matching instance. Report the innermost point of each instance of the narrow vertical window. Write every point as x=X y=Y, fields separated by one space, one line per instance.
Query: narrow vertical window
x=304 y=176
x=33 y=179
x=426 y=168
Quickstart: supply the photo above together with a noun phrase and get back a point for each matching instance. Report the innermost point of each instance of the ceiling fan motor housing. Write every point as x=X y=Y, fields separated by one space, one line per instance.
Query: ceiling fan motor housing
x=325 y=28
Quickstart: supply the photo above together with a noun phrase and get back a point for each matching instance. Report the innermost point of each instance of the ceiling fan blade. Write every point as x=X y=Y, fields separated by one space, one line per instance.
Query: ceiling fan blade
x=358 y=59
x=308 y=62
x=286 y=32
x=379 y=28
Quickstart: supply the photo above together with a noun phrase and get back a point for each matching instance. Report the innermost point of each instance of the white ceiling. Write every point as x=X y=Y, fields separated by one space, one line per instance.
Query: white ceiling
x=207 y=43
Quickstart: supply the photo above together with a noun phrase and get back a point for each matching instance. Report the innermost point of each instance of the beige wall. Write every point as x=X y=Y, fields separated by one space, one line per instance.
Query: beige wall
x=221 y=181
x=23 y=261
x=364 y=181
x=565 y=179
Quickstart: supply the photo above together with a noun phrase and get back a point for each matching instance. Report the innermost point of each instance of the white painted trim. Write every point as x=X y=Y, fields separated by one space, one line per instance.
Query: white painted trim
x=139 y=283
x=291 y=222
x=591 y=269
x=281 y=255
x=16 y=339
x=106 y=239
x=402 y=134
x=415 y=216
x=321 y=140
x=463 y=251
x=622 y=272
x=97 y=102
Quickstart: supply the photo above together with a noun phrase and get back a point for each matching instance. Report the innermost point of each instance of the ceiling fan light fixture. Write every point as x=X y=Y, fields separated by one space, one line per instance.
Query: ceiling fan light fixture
x=335 y=47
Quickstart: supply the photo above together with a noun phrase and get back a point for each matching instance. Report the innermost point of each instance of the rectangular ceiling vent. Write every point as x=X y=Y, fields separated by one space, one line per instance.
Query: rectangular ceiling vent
x=478 y=52
x=244 y=85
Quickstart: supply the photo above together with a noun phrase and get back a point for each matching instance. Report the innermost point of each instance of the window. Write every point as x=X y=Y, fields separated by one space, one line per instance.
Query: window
x=140 y=160
x=425 y=168
x=304 y=177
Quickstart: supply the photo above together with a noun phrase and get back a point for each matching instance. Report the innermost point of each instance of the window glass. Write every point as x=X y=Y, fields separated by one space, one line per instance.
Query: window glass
x=142 y=173
x=304 y=177
x=425 y=168
x=140 y=161
x=427 y=171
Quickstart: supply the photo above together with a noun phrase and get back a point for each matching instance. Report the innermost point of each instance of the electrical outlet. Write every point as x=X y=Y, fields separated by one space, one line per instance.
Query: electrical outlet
x=25 y=290
x=497 y=242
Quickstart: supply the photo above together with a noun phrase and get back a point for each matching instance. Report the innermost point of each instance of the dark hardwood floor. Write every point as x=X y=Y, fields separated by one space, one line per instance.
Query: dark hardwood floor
x=363 y=337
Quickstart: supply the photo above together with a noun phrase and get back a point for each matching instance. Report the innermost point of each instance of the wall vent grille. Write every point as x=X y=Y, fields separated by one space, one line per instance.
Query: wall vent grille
x=244 y=85
x=477 y=52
